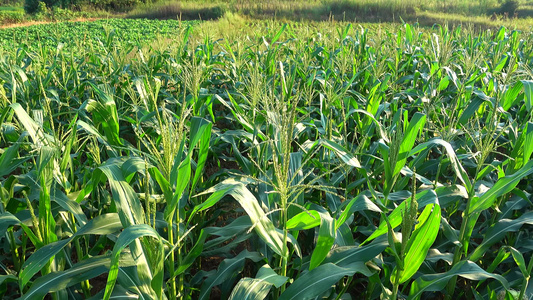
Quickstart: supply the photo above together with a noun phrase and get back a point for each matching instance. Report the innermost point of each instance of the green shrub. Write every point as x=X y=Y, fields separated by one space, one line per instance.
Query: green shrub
x=60 y=14
x=385 y=10
x=509 y=7
x=10 y=17
x=36 y=6
x=30 y=6
x=176 y=10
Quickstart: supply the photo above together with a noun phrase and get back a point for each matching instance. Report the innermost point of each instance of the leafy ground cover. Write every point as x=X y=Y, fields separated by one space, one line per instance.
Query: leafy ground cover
x=271 y=162
x=84 y=34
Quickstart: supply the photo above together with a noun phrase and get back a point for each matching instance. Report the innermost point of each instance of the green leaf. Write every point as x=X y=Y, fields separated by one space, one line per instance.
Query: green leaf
x=500 y=257
x=420 y=241
x=278 y=34
x=228 y=269
x=69 y=205
x=9 y=160
x=128 y=204
x=200 y=133
x=102 y=139
x=250 y=288
x=359 y=203
x=100 y=225
x=261 y=223
x=7 y=220
x=119 y=293
x=319 y=280
x=325 y=240
x=134 y=165
x=342 y=153
x=456 y=164
x=217 y=192
x=304 y=220
x=105 y=115
x=182 y=181
x=423 y=198
x=34 y=130
x=345 y=256
x=500 y=188
x=84 y=270
x=382 y=132
x=128 y=278
x=528 y=91
x=522 y=149
x=267 y=274
x=415 y=125
x=127 y=236
x=471 y=109
x=511 y=95
x=520 y=262
x=7 y=278
x=437 y=282
x=192 y=254
x=498 y=231
x=258 y=288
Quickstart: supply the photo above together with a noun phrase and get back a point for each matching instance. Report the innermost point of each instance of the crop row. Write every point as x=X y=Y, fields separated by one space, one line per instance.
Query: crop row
x=290 y=162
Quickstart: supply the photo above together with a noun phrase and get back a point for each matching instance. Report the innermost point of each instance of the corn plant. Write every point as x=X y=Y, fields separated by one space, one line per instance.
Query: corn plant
x=281 y=161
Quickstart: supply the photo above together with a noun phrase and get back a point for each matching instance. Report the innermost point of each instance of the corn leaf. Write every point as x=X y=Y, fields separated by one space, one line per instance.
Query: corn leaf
x=228 y=269
x=500 y=188
x=498 y=231
x=193 y=254
x=261 y=223
x=320 y=279
x=423 y=198
x=347 y=255
x=127 y=236
x=84 y=270
x=7 y=220
x=437 y=282
x=257 y=288
x=415 y=126
x=359 y=203
x=100 y=225
x=420 y=241
x=304 y=220
x=201 y=135
x=528 y=91
x=325 y=240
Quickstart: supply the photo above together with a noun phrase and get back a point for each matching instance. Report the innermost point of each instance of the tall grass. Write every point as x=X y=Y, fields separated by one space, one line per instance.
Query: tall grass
x=483 y=13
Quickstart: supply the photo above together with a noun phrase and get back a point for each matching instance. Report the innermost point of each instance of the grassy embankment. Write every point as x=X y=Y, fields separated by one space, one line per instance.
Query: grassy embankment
x=482 y=14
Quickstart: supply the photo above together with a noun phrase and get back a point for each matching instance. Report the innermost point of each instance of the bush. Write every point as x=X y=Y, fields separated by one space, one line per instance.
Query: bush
x=59 y=14
x=176 y=10
x=118 y=5
x=35 y=6
x=9 y=17
x=509 y=7
x=31 y=6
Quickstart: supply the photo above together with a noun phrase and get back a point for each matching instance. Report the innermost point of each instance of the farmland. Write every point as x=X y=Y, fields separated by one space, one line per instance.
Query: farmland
x=167 y=159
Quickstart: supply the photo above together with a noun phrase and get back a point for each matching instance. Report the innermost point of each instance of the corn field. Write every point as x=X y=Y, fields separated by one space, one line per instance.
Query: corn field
x=282 y=161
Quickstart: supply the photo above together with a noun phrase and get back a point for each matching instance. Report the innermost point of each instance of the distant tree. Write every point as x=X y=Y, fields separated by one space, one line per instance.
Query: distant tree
x=114 y=4
x=509 y=7
x=32 y=6
x=10 y=2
